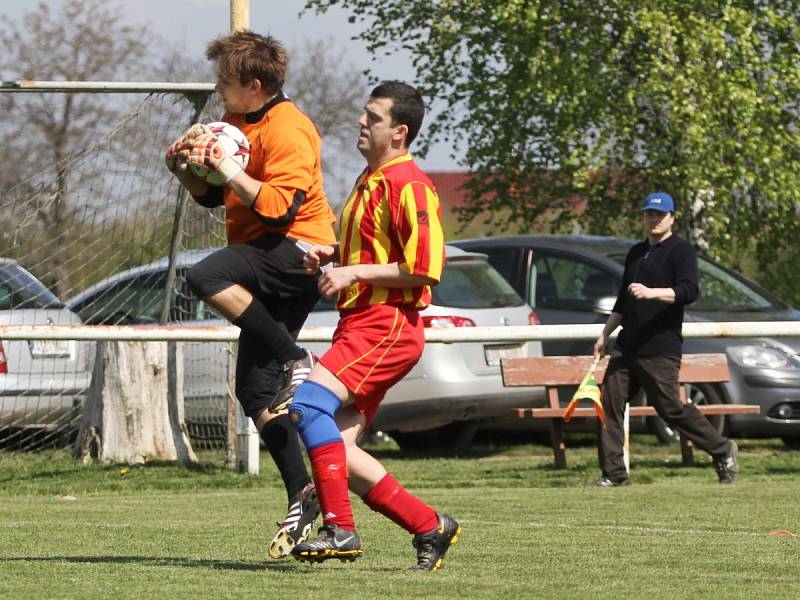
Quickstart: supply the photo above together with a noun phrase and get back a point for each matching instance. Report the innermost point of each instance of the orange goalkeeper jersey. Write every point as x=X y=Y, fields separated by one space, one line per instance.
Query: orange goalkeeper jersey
x=285 y=157
x=392 y=216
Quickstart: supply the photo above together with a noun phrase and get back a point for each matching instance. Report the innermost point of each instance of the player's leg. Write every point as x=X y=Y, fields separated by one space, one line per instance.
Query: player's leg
x=659 y=376
x=228 y=280
x=256 y=382
x=433 y=532
x=312 y=411
x=618 y=388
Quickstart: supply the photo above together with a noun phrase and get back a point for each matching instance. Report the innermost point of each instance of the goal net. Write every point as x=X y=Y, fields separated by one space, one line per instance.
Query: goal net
x=91 y=217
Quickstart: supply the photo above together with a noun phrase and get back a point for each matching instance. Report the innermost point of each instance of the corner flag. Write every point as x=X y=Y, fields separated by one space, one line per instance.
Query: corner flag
x=587 y=390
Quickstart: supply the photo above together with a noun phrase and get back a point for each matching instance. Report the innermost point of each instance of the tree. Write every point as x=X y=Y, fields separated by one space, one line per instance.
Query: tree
x=564 y=104
x=85 y=41
x=323 y=83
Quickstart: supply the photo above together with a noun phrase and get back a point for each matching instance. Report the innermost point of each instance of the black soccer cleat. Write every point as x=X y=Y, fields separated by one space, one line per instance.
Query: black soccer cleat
x=432 y=546
x=296 y=527
x=726 y=466
x=331 y=542
x=293 y=373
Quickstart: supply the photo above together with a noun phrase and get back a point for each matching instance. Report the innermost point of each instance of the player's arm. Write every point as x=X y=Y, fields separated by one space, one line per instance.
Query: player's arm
x=320 y=255
x=614 y=321
x=285 y=178
x=391 y=276
x=642 y=292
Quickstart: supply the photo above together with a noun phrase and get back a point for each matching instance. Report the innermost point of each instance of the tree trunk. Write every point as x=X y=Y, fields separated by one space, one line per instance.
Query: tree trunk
x=134 y=409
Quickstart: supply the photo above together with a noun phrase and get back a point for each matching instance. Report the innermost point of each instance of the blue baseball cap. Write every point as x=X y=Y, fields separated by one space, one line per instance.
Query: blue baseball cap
x=659 y=201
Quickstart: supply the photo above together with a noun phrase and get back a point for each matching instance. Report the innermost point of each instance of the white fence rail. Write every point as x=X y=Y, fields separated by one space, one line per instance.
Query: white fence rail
x=323 y=334
x=246 y=436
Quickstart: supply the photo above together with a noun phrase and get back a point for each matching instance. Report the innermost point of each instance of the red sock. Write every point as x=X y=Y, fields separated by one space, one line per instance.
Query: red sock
x=329 y=465
x=392 y=500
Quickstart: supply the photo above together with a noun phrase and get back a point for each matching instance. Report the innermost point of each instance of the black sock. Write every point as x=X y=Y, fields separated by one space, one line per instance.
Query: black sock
x=283 y=444
x=256 y=318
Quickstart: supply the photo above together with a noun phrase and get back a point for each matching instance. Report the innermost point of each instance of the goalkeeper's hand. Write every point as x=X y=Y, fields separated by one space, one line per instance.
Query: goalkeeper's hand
x=206 y=151
x=178 y=152
x=176 y=157
x=195 y=131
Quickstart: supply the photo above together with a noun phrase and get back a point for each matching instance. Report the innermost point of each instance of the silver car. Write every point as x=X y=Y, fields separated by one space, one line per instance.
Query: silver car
x=451 y=387
x=42 y=383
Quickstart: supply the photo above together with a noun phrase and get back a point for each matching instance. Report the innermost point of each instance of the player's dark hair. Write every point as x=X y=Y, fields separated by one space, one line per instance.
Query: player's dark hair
x=247 y=56
x=408 y=108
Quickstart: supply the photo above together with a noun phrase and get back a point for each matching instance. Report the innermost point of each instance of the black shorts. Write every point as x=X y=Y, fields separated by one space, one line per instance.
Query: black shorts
x=270 y=268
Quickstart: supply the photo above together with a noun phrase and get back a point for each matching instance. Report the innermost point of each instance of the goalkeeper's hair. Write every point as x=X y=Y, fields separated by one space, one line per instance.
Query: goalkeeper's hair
x=246 y=56
x=408 y=108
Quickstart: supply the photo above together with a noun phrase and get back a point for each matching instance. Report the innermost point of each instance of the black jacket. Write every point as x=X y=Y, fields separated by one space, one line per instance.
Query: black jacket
x=651 y=327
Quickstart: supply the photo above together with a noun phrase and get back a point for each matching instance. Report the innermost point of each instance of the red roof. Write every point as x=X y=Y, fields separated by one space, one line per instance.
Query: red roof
x=449 y=186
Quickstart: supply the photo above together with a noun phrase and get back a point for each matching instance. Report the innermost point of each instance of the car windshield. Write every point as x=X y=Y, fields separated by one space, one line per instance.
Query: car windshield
x=720 y=291
x=20 y=289
x=474 y=284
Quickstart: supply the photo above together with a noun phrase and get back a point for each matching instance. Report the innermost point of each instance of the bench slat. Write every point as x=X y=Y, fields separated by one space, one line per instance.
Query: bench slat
x=638 y=411
x=569 y=370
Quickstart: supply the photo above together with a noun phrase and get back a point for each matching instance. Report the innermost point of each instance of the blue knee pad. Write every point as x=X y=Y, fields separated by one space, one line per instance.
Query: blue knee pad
x=312 y=412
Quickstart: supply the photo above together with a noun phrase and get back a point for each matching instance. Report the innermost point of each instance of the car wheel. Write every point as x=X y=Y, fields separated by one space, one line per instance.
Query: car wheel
x=413 y=441
x=457 y=436
x=792 y=442
x=699 y=393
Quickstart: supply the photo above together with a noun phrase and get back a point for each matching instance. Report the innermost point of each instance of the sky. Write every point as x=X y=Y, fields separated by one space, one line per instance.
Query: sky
x=192 y=23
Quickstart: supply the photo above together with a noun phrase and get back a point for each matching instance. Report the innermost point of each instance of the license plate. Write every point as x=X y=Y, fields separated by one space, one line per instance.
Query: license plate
x=52 y=348
x=495 y=353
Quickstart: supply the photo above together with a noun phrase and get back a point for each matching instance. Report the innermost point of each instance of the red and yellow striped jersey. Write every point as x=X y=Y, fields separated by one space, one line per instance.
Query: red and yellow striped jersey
x=392 y=216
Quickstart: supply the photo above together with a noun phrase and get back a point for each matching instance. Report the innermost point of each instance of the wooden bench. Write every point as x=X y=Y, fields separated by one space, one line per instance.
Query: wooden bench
x=555 y=371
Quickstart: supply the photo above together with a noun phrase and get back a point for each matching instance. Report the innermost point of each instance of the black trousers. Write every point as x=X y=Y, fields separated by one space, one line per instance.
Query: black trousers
x=658 y=375
x=271 y=269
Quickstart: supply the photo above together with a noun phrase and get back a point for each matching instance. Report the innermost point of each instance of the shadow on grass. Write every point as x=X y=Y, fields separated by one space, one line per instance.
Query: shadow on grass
x=51 y=473
x=284 y=566
x=162 y=561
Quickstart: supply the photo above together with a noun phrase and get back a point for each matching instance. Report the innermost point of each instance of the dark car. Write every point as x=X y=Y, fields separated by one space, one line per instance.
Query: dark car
x=575 y=279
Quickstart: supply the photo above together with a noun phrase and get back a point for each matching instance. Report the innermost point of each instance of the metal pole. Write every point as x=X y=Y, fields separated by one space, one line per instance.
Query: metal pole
x=182 y=200
x=247 y=438
x=240 y=15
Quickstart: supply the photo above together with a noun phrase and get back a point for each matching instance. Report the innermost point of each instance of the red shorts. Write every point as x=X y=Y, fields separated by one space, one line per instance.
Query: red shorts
x=373 y=348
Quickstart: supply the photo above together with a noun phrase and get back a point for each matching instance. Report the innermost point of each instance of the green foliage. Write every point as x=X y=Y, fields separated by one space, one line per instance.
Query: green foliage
x=564 y=104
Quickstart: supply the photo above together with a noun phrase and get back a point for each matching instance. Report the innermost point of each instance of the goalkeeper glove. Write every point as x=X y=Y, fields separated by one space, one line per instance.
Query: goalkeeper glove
x=207 y=152
x=195 y=131
x=178 y=152
x=176 y=157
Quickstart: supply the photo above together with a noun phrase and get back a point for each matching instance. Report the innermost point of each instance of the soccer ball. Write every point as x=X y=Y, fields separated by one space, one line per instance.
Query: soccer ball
x=236 y=146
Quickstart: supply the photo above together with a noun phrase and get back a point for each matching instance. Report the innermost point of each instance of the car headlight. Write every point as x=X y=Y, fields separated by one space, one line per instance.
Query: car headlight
x=763 y=357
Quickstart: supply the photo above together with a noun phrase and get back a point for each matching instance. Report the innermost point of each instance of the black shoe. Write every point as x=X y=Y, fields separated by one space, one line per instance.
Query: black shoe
x=432 y=546
x=331 y=542
x=293 y=373
x=726 y=464
x=605 y=482
x=296 y=527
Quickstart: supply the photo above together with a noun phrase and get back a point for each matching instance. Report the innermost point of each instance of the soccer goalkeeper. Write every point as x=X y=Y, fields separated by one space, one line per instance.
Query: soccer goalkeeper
x=272 y=209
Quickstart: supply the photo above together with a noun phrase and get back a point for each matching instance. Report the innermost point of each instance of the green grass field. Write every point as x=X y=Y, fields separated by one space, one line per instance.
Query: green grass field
x=529 y=531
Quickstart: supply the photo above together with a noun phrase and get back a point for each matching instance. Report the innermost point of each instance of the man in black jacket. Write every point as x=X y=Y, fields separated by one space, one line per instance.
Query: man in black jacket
x=660 y=279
